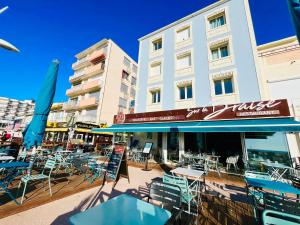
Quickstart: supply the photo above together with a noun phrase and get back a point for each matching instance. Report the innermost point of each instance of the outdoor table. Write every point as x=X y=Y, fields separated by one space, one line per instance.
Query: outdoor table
x=13 y=170
x=272 y=185
x=190 y=173
x=122 y=210
x=277 y=170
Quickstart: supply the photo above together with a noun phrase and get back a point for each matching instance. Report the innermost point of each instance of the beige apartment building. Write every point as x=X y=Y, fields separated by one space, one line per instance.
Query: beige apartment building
x=103 y=84
x=280 y=68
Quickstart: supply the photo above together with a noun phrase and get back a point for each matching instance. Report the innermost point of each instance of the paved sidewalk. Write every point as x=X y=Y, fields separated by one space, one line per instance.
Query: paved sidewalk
x=58 y=212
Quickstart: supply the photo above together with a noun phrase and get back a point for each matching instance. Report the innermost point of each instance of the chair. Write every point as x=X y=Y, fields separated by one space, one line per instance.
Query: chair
x=271 y=217
x=282 y=204
x=232 y=161
x=170 y=197
x=50 y=165
x=188 y=192
x=22 y=156
x=62 y=161
x=95 y=169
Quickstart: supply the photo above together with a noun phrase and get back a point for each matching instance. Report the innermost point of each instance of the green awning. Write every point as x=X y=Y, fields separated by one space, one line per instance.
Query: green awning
x=253 y=125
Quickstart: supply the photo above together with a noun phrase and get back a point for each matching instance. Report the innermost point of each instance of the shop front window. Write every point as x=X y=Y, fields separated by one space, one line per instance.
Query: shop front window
x=173 y=146
x=266 y=147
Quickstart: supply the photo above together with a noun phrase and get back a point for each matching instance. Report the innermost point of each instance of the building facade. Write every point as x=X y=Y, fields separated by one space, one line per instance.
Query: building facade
x=103 y=84
x=206 y=58
x=13 y=112
x=280 y=65
x=201 y=90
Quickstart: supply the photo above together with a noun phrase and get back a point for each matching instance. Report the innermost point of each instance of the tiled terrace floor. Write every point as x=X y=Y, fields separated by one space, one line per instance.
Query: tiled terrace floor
x=225 y=203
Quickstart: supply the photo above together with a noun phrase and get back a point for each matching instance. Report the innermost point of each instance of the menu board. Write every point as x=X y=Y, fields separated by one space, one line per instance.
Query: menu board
x=147 y=148
x=117 y=164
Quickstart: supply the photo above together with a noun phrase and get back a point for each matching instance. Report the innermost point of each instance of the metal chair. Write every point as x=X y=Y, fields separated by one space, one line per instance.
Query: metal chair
x=170 y=197
x=271 y=217
x=189 y=192
x=50 y=165
x=232 y=161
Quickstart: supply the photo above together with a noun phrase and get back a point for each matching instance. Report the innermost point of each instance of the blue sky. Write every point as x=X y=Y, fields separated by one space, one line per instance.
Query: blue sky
x=47 y=29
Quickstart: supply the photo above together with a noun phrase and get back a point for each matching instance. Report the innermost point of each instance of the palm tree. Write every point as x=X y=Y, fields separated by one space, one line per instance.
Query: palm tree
x=3 y=43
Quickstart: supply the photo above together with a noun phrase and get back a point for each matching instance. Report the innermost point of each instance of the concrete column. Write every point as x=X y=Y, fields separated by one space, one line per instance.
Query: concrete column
x=165 y=147
x=181 y=145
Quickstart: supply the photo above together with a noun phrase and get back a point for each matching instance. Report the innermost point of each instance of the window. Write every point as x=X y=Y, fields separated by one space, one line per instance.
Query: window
x=157 y=44
x=217 y=21
x=123 y=102
x=223 y=86
x=91 y=113
x=155 y=96
x=134 y=69
x=126 y=62
x=125 y=75
x=219 y=52
x=183 y=34
x=133 y=81
x=184 y=61
x=155 y=69
x=95 y=94
x=124 y=88
x=132 y=92
x=185 y=92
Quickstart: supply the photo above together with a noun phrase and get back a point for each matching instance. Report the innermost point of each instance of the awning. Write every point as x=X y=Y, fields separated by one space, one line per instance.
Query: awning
x=57 y=129
x=257 y=125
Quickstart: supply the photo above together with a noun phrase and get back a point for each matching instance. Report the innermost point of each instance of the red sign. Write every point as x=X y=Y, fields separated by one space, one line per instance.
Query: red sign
x=250 y=110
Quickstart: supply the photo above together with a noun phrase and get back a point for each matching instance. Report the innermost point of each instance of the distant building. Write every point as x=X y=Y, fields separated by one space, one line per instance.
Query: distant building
x=103 y=84
x=13 y=113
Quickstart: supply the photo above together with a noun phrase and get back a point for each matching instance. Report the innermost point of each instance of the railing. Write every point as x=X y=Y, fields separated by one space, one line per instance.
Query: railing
x=83 y=60
x=70 y=105
x=87 y=119
x=74 y=89
x=77 y=74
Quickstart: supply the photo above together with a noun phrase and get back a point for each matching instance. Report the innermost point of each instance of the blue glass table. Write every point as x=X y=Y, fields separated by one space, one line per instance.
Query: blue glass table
x=122 y=210
x=272 y=185
x=13 y=169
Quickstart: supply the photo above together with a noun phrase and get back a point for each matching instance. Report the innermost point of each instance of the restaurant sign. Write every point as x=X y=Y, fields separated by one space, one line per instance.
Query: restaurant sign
x=250 y=110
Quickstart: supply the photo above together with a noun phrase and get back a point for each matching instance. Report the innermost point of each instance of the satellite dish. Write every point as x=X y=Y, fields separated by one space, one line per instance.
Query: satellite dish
x=8 y=46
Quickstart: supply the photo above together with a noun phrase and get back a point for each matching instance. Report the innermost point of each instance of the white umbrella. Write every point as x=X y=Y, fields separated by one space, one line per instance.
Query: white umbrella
x=3 y=9
x=8 y=46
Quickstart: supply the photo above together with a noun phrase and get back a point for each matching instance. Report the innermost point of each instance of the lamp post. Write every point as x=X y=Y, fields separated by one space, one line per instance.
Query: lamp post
x=4 y=44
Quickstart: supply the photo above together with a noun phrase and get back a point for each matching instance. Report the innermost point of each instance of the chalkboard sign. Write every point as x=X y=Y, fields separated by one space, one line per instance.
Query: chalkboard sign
x=147 y=148
x=116 y=161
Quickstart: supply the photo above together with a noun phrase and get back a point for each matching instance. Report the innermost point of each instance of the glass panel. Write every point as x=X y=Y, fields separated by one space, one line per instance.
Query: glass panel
x=218 y=87
x=95 y=94
x=157 y=44
x=182 y=92
x=153 y=97
x=173 y=146
x=214 y=54
x=266 y=147
x=189 y=91
x=228 y=86
x=224 y=51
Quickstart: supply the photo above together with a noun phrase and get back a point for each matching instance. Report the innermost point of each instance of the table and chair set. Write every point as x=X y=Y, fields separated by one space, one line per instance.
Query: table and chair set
x=41 y=165
x=275 y=199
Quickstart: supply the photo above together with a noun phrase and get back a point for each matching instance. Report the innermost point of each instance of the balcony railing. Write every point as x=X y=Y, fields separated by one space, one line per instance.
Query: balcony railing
x=77 y=76
x=70 y=106
x=86 y=119
x=74 y=90
x=88 y=102
x=79 y=62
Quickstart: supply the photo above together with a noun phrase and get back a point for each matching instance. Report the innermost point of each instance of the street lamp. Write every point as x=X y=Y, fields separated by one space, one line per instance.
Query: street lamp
x=4 y=44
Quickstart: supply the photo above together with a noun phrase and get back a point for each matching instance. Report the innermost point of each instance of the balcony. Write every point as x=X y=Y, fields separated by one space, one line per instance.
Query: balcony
x=93 y=70
x=80 y=63
x=97 y=56
x=74 y=90
x=70 y=106
x=90 y=86
x=77 y=76
x=86 y=119
x=88 y=103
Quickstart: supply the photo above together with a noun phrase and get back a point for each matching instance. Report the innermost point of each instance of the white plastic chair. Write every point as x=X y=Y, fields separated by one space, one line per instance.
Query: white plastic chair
x=232 y=160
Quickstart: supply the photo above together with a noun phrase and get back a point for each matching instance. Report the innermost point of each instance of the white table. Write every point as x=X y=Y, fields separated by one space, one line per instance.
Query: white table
x=277 y=170
x=193 y=174
x=6 y=158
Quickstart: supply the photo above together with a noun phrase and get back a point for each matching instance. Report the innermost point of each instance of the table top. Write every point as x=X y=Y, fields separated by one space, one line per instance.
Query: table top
x=272 y=185
x=122 y=210
x=14 y=165
x=6 y=157
x=276 y=165
x=188 y=172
